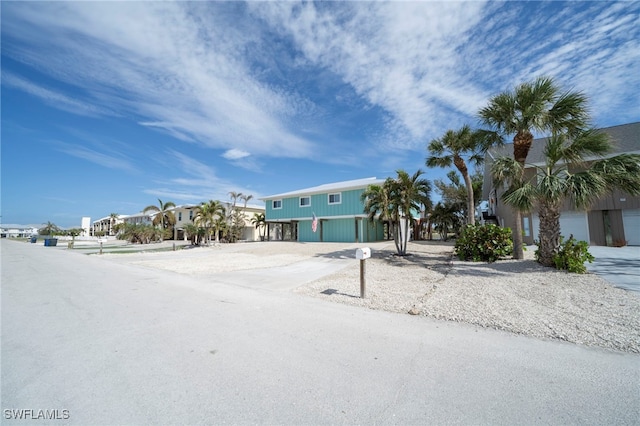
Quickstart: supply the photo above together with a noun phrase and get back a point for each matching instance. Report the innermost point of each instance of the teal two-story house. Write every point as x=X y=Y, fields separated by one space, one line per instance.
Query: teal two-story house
x=327 y=213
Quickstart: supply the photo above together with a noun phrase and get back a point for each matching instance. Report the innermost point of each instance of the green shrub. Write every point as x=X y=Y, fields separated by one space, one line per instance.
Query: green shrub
x=483 y=243
x=572 y=255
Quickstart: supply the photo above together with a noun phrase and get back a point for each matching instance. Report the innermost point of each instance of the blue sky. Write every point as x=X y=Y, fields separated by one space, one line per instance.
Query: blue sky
x=108 y=106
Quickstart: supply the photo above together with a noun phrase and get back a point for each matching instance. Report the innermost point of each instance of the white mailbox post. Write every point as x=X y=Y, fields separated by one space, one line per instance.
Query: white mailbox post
x=362 y=254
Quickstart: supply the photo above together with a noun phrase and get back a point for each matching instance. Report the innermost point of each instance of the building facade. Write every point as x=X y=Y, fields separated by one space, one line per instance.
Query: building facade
x=614 y=219
x=185 y=215
x=17 y=231
x=326 y=213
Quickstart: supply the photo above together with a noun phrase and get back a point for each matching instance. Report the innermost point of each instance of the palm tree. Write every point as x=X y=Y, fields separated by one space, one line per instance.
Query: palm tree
x=377 y=202
x=220 y=225
x=207 y=214
x=164 y=216
x=192 y=232
x=450 y=149
x=234 y=197
x=537 y=106
x=455 y=192
x=113 y=217
x=408 y=195
x=567 y=174
x=245 y=199
x=259 y=221
x=50 y=229
x=446 y=217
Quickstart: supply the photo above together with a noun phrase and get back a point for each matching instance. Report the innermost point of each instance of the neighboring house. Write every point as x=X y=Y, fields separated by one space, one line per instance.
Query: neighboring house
x=612 y=220
x=106 y=225
x=185 y=215
x=337 y=208
x=137 y=219
x=17 y=231
x=250 y=232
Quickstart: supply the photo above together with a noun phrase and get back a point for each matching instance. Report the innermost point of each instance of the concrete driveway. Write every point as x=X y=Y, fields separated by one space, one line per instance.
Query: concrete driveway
x=109 y=343
x=618 y=265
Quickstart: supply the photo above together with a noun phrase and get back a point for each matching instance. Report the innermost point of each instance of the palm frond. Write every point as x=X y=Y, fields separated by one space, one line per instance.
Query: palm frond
x=585 y=187
x=621 y=171
x=521 y=196
x=569 y=113
x=443 y=161
x=554 y=149
x=505 y=170
x=587 y=143
x=552 y=187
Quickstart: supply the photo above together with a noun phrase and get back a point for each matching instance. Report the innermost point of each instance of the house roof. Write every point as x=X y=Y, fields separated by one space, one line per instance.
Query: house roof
x=329 y=187
x=625 y=138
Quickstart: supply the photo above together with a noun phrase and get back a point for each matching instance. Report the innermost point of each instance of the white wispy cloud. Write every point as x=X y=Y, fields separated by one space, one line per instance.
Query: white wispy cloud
x=196 y=181
x=240 y=82
x=592 y=47
x=235 y=154
x=400 y=57
x=165 y=65
x=53 y=97
x=96 y=157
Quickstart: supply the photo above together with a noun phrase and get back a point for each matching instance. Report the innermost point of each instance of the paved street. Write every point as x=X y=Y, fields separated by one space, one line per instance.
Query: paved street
x=119 y=344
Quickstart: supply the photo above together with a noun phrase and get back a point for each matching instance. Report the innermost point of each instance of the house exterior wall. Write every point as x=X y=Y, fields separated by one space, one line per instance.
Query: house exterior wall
x=17 y=231
x=343 y=221
x=250 y=232
x=350 y=205
x=138 y=219
x=608 y=221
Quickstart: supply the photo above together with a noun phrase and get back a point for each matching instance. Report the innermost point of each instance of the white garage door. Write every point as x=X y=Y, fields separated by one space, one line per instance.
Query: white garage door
x=576 y=224
x=631 y=221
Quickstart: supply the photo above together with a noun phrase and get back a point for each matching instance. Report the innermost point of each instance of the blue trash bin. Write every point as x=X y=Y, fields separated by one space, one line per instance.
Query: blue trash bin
x=34 y=240
x=50 y=242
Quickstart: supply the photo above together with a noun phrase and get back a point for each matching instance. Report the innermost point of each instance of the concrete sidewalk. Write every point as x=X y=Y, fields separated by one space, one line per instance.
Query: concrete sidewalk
x=120 y=344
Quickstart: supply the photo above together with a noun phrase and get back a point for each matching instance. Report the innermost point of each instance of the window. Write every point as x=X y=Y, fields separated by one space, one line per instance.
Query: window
x=179 y=216
x=525 y=226
x=335 y=198
x=276 y=204
x=190 y=214
x=305 y=201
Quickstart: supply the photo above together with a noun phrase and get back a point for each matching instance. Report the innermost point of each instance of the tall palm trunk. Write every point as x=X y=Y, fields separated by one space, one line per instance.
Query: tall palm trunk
x=521 y=145
x=464 y=171
x=471 y=207
x=396 y=234
x=404 y=235
x=518 y=241
x=549 y=235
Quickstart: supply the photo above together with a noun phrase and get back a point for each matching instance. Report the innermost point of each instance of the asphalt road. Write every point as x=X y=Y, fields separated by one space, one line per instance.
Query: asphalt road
x=112 y=343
